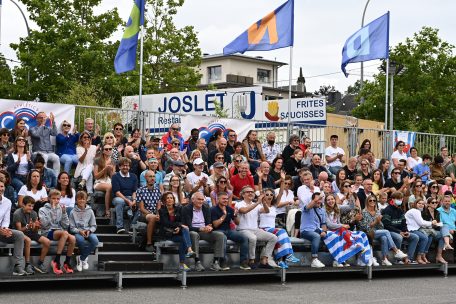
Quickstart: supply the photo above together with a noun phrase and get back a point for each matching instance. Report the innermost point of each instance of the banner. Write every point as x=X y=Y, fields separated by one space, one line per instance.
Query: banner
x=208 y=125
x=10 y=110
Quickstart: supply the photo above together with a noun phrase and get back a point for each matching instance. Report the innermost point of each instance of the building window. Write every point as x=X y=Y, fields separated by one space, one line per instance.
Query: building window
x=214 y=73
x=263 y=76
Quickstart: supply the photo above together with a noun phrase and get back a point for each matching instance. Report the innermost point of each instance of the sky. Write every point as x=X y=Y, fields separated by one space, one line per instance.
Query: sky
x=321 y=29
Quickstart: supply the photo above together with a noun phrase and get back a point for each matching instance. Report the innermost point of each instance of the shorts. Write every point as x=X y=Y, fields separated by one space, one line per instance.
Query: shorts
x=33 y=235
x=50 y=235
x=142 y=218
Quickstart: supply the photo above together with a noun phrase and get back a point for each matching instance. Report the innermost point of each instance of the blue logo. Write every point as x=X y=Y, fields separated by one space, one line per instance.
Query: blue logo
x=8 y=118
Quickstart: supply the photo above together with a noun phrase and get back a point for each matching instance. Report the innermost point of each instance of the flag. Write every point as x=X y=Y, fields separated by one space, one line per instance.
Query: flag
x=126 y=54
x=343 y=244
x=274 y=31
x=370 y=42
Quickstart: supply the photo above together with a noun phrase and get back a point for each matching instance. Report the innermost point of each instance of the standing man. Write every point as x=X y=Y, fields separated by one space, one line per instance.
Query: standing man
x=221 y=149
x=173 y=132
x=192 y=141
x=148 y=198
x=11 y=236
x=232 y=138
x=270 y=148
x=240 y=180
x=94 y=131
x=124 y=185
x=334 y=155
x=41 y=140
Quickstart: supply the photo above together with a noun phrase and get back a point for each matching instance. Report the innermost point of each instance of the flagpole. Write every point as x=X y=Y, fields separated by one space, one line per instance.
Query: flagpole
x=386 y=105
x=141 y=116
x=289 y=93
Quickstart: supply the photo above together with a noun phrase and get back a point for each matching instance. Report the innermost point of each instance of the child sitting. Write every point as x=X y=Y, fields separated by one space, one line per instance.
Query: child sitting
x=83 y=226
x=25 y=219
x=54 y=225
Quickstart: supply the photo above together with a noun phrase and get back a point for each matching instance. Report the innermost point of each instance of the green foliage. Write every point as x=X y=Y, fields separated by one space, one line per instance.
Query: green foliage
x=424 y=96
x=6 y=79
x=324 y=90
x=220 y=112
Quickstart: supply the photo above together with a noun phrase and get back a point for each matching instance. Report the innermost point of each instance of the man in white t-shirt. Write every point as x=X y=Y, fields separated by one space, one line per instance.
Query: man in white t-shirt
x=248 y=212
x=197 y=181
x=307 y=189
x=334 y=155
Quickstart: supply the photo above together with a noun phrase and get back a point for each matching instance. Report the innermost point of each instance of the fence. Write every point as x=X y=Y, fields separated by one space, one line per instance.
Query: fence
x=350 y=137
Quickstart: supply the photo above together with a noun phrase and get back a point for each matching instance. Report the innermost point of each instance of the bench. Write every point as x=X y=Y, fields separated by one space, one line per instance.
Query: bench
x=10 y=246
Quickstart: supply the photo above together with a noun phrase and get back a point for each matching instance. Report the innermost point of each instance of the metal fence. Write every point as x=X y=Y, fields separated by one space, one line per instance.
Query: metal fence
x=350 y=137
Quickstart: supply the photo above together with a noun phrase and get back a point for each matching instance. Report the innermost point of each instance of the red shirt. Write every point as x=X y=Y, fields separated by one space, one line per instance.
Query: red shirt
x=238 y=183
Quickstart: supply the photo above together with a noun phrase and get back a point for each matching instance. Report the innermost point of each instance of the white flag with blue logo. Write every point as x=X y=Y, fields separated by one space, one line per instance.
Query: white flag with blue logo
x=370 y=42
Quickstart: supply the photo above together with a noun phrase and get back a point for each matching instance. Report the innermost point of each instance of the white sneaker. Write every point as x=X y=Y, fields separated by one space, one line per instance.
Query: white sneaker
x=272 y=263
x=317 y=264
x=360 y=262
x=400 y=255
x=337 y=264
x=78 y=263
x=375 y=262
x=85 y=264
x=386 y=262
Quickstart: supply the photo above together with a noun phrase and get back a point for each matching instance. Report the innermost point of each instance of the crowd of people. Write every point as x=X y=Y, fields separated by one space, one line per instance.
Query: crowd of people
x=220 y=189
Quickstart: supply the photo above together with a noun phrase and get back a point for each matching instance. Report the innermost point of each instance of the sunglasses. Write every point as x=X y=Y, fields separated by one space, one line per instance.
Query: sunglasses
x=434 y=202
x=268 y=194
x=396 y=172
x=109 y=137
x=175 y=144
x=85 y=137
x=66 y=125
x=372 y=201
x=5 y=134
x=118 y=129
x=287 y=183
x=346 y=186
x=220 y=157
x=238 y=160
x=222 y=182
x=175 y=129
x=434 y=187
x=232 y=135
x=363 y=164
x=108 y=149
x=418 y=185
x=20 y=139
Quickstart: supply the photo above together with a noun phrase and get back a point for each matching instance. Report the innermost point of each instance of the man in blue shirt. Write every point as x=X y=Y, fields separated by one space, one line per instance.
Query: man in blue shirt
x=124 y=185
x=313 y=226
x=448 y=217
x=422 y=170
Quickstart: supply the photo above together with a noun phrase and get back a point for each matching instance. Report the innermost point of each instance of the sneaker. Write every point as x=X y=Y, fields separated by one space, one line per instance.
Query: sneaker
x=29 y=269
x=56 y=267
x=199 y=266
x=40 y=268
x=245 y=266
x=19 y=271
x=375 y=262
x=412 y=262
x=150 y=248
x=224 y=266
x=85 y=264
x=78 y=263
x=346 y=264
x=337 y=264
x=215 y=266
x=292 y=259
x=400 y=255
x=191 y=255
x=120 y=230
x=266 y=266
x=183 y=267
x=253 y=265
x=317 y=264
x=386 y=262
x=272 y=263
x=67 y=268
x=282 y=265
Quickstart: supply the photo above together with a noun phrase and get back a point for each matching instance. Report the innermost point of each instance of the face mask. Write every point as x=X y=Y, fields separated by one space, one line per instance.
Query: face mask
x=398 y=202
x=421 y=209
x=271 y=142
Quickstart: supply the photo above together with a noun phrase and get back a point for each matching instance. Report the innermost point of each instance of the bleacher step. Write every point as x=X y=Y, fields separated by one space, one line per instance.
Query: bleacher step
x=106 y=229
x=131 y=266
x=119 y=246
x=125 y=256
x=102 y=221
x=113 y=237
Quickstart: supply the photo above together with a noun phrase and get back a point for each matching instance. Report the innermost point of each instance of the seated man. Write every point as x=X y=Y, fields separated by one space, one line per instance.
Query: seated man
x=222 y=215
x=48 y=176
x=148 y=198
x=9 y=235
x=124 y=185
x=316 y=168
x=262 y=179
x=197 y=217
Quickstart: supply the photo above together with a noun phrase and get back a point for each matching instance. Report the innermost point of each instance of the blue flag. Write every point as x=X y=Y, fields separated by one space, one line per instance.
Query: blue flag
x=126 y=54
x=274 y=31
x=370 y=42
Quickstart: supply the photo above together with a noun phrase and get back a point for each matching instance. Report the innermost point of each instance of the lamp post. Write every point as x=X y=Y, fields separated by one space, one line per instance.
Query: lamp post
x=362 y=63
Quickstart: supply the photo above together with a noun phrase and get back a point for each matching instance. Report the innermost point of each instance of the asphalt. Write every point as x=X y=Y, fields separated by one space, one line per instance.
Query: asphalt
x=393 y=288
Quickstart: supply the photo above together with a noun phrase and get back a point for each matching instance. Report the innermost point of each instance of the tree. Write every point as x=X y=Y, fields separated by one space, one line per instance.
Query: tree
x=171 y=55
x=424 y=96
x=324 y=90
x=6 y=79
x=355 y=88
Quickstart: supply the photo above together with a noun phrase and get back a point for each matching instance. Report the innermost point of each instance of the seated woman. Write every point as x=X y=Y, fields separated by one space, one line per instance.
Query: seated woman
x=68 y=195
x=19 y=163
x=34 y=188
x=283 y=251
x=414 y=222
x=338 y=183
x=438 y=231
x=294 y=164
x=221 y=185
x=373 y=226
x=103 y=170
x=86 y=155
x=350 y=242
x=176 y=189
x=171 y=227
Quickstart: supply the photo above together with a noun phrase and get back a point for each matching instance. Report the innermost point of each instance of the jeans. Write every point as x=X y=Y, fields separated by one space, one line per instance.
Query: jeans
x=314 y=238
x=54 y=158
x=334 y=170
x=18 y=181
x=184 y=242
x=242 y=240
x=412 y=242
x=86 y=246
x=423 y=241
x=385 y=239
x=18 y=239
x=67 y=161
x=120 y=206
x=260 y=235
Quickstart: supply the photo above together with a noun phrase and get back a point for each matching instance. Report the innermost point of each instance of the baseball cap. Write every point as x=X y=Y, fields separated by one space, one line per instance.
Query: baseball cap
x=198 y=161
x=218 y=165
x=178 y=163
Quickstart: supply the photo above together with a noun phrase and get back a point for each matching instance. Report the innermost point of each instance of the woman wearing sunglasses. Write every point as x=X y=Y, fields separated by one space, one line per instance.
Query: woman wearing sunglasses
x=103 y=170
x=221 y=185
x=66 y=146
x=438 y=231
x=433 y=191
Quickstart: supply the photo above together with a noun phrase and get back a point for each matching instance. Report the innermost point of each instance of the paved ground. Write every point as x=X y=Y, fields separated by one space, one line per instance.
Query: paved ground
x=428 y=287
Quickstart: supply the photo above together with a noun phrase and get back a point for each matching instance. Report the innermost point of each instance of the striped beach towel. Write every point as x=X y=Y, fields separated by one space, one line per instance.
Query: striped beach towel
x=343 y=244
x=283 y=246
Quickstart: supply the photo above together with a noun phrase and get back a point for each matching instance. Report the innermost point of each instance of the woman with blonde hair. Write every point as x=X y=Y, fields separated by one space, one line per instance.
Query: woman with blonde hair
x=104 y=168
x=86 y=154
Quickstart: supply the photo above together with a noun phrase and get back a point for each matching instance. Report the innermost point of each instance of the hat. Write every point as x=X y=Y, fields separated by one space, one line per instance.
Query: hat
x=178 y=163
x=198 y=161
x=153 y=159
x=218 y=165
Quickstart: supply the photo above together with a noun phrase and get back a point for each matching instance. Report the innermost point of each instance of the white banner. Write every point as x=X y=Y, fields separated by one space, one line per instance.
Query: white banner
x=10 y=110
x=208 y=125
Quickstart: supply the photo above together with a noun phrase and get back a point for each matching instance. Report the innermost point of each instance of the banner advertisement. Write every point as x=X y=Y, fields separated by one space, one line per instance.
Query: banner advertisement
x=407 y=137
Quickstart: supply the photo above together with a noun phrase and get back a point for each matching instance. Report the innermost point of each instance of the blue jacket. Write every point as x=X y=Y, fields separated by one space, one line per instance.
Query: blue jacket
x=66 y=144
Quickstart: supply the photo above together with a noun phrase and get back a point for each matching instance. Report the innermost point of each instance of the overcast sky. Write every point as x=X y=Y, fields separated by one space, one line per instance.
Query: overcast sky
x=321 y=28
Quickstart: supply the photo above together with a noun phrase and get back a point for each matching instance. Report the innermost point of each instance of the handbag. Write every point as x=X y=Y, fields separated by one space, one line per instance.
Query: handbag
x=429 y=231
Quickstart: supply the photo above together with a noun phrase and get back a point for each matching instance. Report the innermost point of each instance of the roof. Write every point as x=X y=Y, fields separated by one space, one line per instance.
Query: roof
x=244 y=57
